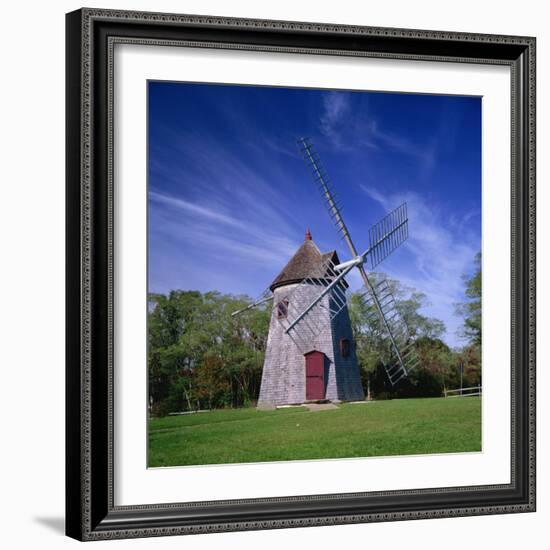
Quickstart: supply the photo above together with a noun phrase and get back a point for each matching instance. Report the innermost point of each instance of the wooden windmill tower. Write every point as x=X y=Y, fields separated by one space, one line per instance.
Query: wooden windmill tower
x=310 y=352
x=323 y=365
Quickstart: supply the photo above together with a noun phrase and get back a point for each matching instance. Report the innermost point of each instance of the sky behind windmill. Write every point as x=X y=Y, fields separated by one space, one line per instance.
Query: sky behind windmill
x=230 y=197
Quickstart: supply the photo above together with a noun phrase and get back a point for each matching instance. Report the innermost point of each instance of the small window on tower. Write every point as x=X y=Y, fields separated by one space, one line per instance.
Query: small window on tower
x=282 y=309
x=345 y=347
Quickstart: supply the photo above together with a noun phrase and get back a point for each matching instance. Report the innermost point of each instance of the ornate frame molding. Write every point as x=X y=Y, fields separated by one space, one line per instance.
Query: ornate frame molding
x=91 y=36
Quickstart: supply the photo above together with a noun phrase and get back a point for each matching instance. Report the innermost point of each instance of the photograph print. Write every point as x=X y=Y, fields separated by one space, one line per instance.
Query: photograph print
x=314 y=274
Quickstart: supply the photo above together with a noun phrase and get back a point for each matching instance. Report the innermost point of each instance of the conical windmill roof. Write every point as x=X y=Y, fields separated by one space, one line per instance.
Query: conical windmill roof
x=307 y=262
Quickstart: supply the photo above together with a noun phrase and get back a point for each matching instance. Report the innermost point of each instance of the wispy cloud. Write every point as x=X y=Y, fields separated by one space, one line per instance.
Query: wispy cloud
x=224 y=219
x=425 y=154
x=210 y=242
x=222 y=236
x=336 y=109
x=195 y=209
x=348 y=128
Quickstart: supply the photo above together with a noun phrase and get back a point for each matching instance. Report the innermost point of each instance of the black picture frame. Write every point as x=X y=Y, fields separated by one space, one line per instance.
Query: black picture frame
x=90 y=510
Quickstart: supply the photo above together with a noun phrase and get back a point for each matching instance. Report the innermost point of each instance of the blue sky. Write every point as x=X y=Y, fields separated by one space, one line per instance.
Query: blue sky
x=230 y=197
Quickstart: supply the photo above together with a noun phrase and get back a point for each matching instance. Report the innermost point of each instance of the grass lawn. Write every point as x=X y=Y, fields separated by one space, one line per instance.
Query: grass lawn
x=379 y=428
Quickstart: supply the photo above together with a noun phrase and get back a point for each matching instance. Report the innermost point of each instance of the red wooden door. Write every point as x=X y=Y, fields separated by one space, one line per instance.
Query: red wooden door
x=315 y=376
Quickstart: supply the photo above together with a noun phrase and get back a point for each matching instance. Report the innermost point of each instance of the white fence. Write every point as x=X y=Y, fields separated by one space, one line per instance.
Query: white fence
x=464 y=392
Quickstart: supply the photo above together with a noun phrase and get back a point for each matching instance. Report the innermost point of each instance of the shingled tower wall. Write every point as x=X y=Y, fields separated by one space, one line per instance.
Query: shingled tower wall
x=284 y=371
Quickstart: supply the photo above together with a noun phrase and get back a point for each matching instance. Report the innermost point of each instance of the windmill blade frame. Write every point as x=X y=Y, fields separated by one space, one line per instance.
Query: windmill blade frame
x=404 y=358
x=321 y=179
x=388 y=234
x=262 y=299
x=381 y=246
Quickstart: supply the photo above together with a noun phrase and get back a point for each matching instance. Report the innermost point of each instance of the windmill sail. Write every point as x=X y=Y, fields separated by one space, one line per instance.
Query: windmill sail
x=322 y=181
x=386 y=235
x=383 y=316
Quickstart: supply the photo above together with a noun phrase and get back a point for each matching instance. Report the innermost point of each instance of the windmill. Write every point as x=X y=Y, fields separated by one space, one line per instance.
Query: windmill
x=310 y=310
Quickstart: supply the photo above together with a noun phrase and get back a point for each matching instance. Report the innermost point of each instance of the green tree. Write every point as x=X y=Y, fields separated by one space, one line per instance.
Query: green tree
x=437 y=359
x=470 y=358
x=471 y=309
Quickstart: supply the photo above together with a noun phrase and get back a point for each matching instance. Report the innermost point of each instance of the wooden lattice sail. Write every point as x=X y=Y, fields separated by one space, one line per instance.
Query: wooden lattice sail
x=384 y=237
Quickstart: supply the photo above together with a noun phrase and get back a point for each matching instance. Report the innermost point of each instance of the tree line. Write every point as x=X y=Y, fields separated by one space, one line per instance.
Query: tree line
x=200 y=357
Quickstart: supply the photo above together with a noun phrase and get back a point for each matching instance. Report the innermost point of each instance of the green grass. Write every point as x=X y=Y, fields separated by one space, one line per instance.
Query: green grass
x=380 y=428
